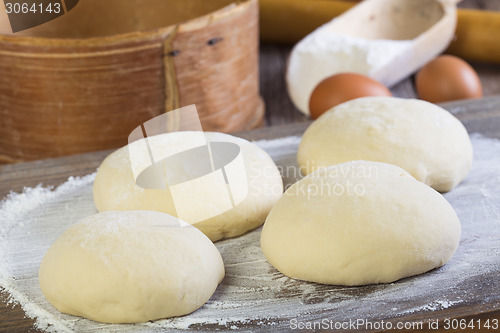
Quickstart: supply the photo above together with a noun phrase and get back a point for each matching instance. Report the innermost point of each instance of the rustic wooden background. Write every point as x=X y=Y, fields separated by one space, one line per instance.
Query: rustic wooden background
x=279 y=107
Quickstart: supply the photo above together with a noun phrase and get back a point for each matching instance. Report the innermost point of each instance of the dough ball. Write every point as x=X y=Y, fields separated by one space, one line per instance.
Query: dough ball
x=359 y=223
x=261 y=186
x=130 y=267
x=422 y=138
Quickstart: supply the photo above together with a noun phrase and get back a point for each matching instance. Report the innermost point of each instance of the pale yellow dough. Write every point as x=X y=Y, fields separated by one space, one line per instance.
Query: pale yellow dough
x=116 y=189
x=128 y=267
x=422 y=138
x=359 y=223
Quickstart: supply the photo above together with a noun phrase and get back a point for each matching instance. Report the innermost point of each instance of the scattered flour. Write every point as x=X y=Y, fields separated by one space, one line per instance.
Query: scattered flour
x=439 y=305
x=434 y=306
x=253 y=294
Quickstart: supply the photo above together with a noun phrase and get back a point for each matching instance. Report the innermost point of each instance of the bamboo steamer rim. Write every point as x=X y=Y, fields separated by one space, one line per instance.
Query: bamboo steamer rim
x=196 y=23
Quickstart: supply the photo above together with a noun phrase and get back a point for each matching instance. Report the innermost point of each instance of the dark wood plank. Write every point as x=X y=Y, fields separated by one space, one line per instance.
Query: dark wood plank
x=49 y=172
x=483 y=118
x=279 y=108
x=480 y=4
x=12 y=318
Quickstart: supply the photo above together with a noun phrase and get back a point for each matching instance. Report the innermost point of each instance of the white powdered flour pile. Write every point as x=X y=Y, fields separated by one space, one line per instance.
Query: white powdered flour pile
x=325 y=52
x=253 y=294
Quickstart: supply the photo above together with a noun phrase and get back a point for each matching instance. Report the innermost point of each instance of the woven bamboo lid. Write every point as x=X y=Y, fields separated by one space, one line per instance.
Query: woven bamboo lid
x=83 y=81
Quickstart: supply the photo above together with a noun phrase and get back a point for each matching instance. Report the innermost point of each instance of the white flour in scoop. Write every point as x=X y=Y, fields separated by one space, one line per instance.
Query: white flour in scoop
x=253 y=294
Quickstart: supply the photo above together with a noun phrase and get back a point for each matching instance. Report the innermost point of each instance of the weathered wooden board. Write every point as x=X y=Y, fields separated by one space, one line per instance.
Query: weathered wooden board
x=482 y=116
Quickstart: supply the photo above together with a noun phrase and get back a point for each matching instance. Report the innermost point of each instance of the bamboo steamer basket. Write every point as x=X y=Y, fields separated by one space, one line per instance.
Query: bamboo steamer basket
x=84 y=81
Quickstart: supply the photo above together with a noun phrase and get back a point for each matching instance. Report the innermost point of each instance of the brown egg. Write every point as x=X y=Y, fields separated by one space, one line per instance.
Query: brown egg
x=341 y=88
x=447 y=78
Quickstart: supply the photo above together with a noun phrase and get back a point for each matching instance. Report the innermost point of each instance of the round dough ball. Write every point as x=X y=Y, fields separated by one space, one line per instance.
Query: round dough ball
x=422 y=138
x=359 y=223
x=116 y=189
x=130 y=267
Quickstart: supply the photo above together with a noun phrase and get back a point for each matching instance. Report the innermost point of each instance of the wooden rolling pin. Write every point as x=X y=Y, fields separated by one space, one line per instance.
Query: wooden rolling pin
x=288 y=21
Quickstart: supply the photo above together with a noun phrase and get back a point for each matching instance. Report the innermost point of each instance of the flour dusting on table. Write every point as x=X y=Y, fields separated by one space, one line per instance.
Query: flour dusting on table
x=253 y=294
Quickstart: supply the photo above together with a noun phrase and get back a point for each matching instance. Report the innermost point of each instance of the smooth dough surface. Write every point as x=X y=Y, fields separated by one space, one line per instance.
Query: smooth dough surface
x=422 y=138
x=359 y=223
x=116 y=189
x=127 y=267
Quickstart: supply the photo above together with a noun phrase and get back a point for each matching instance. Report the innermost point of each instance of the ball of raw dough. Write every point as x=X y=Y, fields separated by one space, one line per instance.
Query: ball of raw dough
x=128 y=267
x=359 y=223
x=422 y=138
x=115 y=187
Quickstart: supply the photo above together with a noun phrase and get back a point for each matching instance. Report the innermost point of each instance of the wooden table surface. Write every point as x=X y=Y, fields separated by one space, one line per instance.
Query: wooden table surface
x=481 y=116
x=279 y=112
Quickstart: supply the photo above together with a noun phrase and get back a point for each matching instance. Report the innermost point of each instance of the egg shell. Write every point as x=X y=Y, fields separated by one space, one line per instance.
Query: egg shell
x=447 y=78
x=340 y=88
